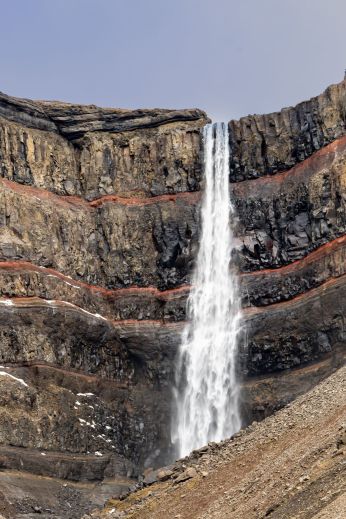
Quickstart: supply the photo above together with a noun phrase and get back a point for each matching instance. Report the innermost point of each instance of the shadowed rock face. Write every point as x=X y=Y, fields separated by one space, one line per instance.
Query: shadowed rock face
x=274 y=344
x=114 y=244
x=266 y=144
x=99 y=213
x=283 y=218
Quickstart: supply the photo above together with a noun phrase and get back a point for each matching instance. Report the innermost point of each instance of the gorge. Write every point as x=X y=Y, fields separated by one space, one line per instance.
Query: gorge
x=100 y=230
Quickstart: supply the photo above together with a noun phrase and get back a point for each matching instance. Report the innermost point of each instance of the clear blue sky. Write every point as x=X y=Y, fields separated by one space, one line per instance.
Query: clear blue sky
x=227 y=57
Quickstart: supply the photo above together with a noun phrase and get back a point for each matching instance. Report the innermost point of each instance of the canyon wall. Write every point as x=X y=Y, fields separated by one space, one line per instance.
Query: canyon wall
x=99 y=230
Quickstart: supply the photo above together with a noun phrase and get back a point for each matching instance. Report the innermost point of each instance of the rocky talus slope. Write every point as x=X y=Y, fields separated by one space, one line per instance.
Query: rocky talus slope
x=291 y=465
x=99 y=212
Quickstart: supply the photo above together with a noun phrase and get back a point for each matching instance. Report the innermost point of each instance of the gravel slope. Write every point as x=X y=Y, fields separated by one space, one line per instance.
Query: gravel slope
x=290 y=466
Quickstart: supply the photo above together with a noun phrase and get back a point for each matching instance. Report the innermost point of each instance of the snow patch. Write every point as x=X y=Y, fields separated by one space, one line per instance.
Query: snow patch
x=71 y=305
x=7 y=302
x=21 y=381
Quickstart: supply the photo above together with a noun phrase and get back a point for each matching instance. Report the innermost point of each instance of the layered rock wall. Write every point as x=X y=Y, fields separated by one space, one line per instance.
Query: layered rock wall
x=99 y=213
x=266 y=144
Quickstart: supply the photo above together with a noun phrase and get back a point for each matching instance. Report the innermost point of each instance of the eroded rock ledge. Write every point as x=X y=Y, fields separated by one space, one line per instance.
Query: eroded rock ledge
x=73 y=121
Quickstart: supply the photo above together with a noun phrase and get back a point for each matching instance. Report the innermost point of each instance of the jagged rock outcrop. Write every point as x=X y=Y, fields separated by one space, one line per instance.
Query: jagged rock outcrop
x=99 y=212
x=266 y=144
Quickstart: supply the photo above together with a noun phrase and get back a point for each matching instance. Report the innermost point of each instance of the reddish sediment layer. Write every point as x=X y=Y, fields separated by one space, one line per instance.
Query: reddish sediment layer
x=305 y=296
x=267 y=275
x=190 y=197
x=24 y=302
x=305 y=169
x=317 y=160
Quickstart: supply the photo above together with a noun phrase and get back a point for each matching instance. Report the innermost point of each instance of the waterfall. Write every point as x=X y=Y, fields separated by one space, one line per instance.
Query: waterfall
x=206 y=394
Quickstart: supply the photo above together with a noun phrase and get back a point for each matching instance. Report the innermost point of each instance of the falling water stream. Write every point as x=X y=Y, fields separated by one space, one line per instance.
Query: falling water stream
x=207 y=391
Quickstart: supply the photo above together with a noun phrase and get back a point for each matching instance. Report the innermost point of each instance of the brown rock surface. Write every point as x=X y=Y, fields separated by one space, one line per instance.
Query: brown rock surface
x=30 y=496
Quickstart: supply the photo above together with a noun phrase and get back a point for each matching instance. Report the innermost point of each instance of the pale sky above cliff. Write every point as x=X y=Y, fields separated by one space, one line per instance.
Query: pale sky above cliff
x=227 y=57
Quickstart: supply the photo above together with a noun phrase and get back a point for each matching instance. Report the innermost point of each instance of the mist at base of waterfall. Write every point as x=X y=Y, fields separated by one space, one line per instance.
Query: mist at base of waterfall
x=207 y=393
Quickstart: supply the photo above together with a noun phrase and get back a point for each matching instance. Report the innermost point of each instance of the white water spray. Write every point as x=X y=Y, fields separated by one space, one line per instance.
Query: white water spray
x=207 y=392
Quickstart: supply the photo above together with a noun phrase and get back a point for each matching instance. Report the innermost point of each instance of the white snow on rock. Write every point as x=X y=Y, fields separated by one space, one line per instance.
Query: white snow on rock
x=21 y=381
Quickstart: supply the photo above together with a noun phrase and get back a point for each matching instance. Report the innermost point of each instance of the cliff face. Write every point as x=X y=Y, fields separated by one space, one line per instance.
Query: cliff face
x=267 y=144
x=99 y=229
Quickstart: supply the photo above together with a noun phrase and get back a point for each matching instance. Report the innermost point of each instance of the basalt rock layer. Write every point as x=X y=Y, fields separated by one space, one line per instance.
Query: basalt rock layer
x=99 y=212
x=266 y=144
